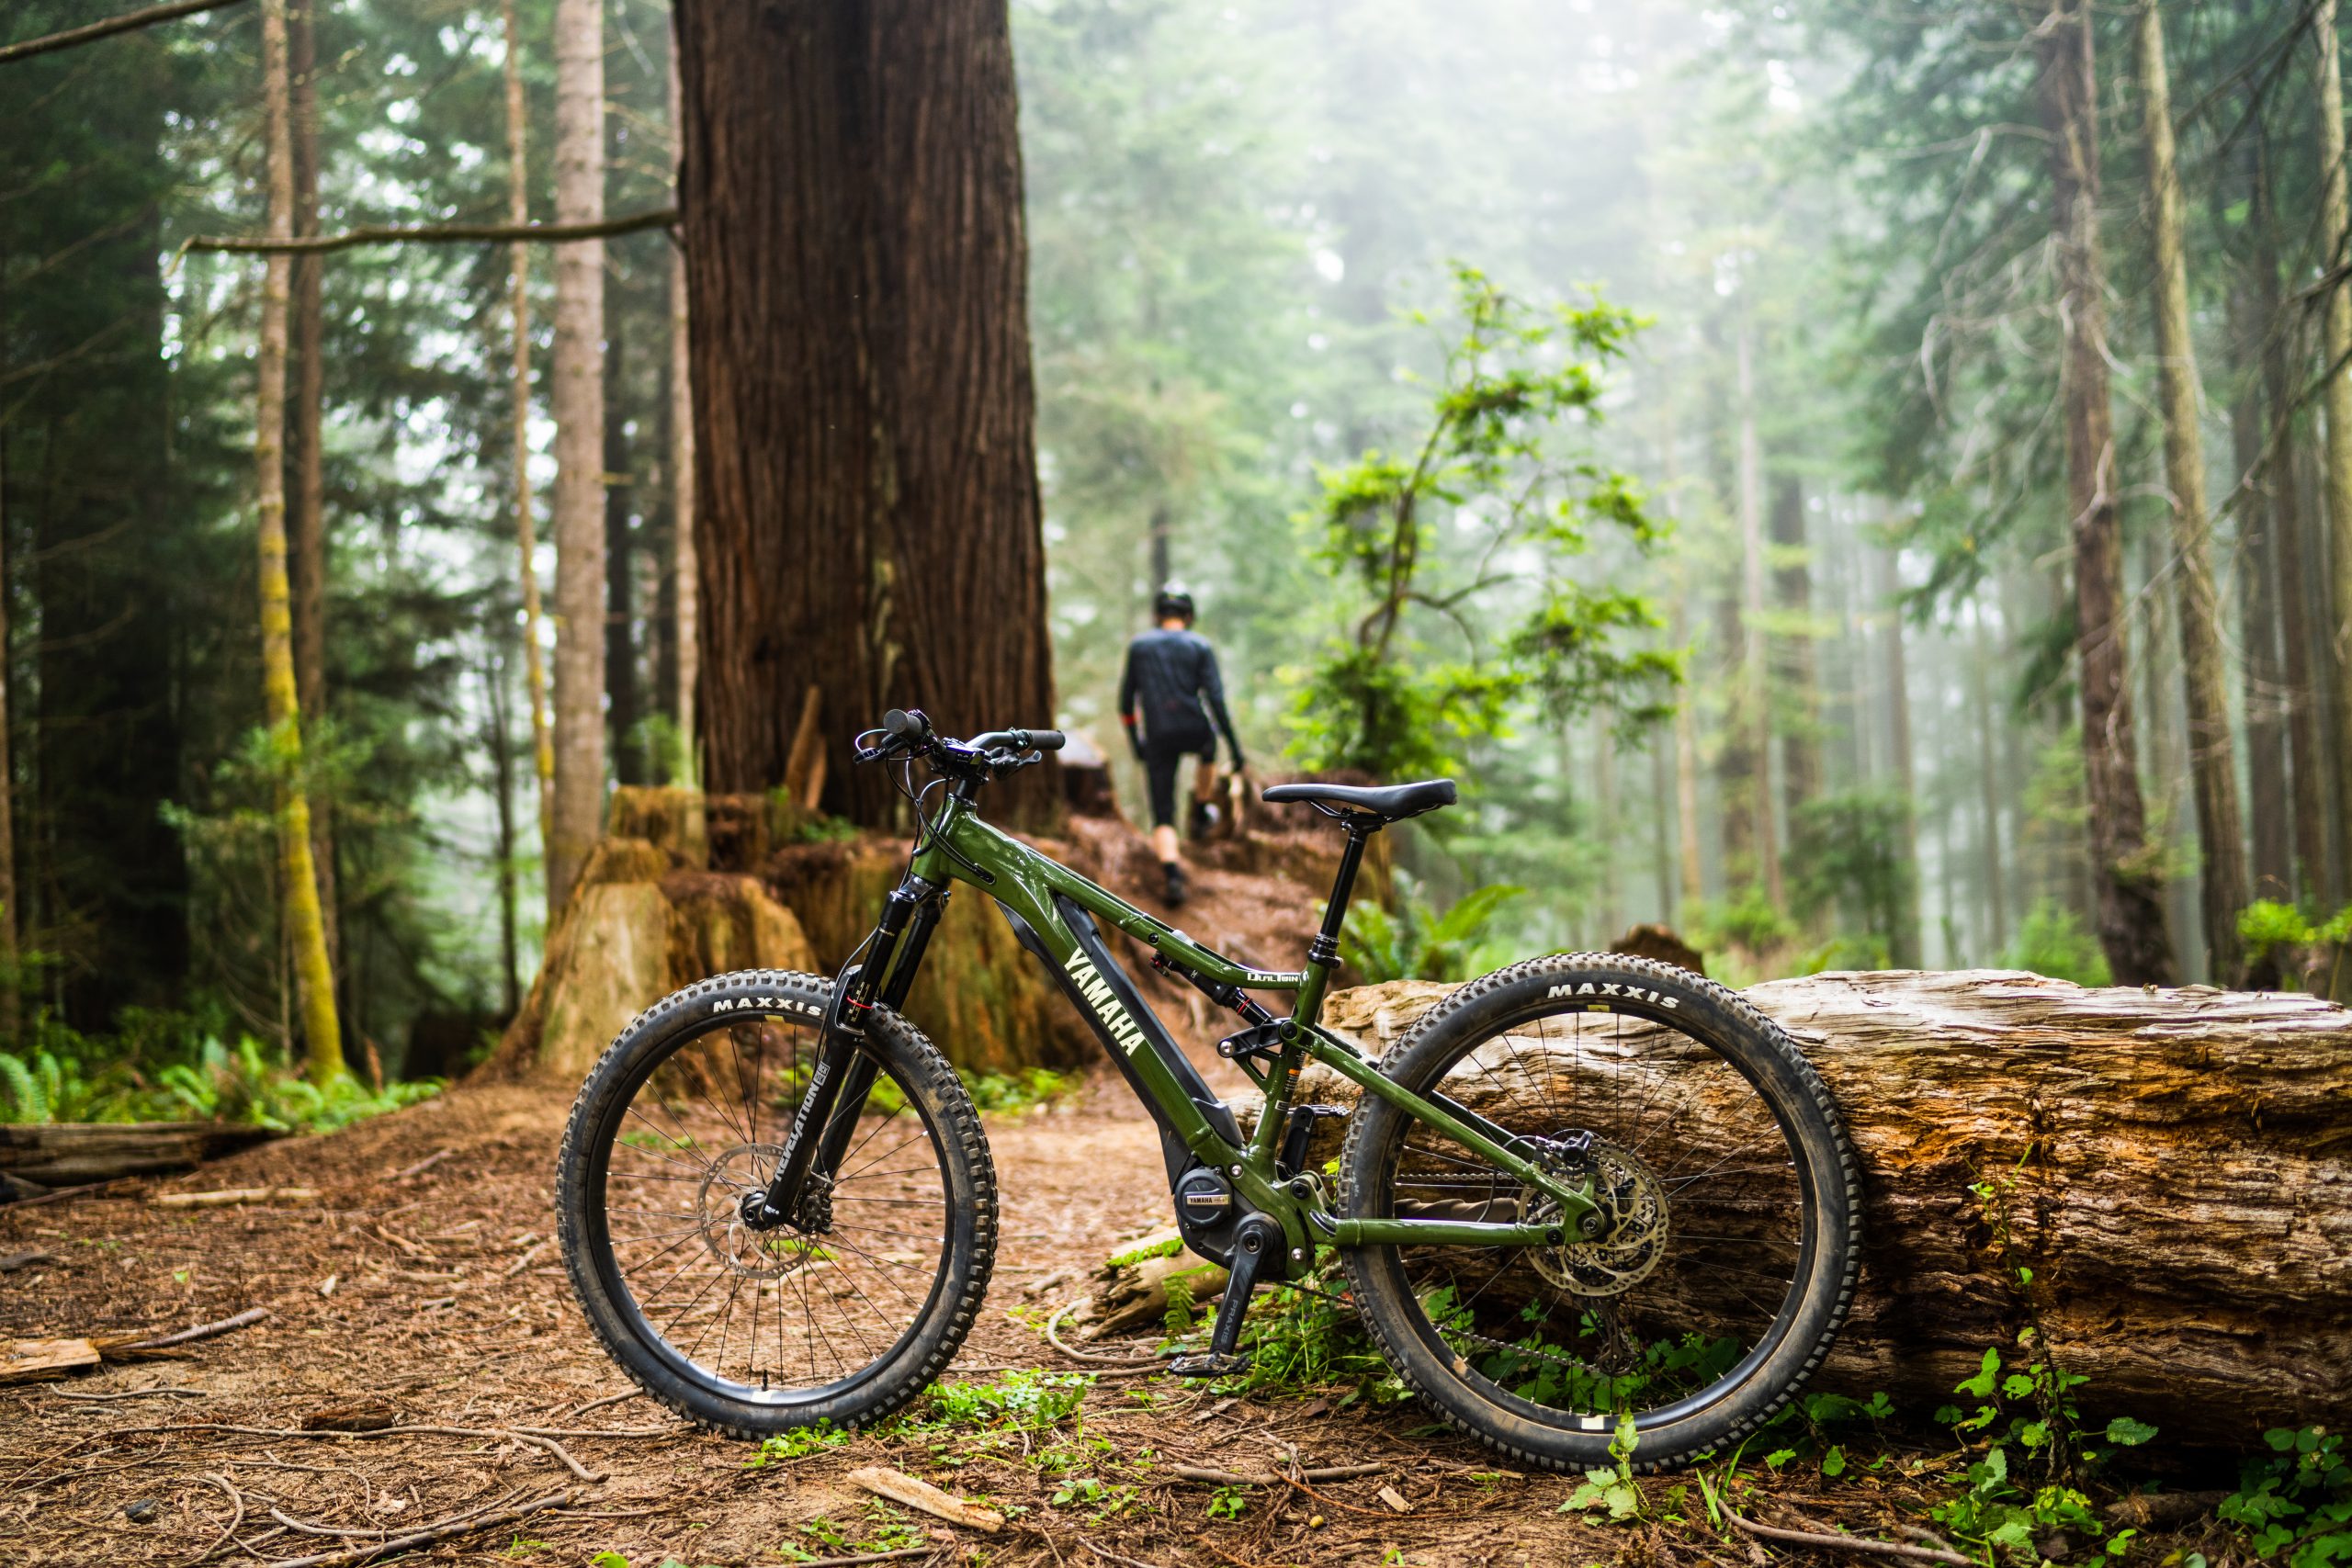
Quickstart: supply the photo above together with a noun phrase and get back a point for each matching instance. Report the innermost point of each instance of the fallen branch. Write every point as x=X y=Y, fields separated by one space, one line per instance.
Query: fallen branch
x=230 y=1197
x=306 y=1528
x=1208 y=1477
x=429 y=234
x=1127 y=1364
x=457 y=1525
x=932 y=1551
x=235 y=1497
x=561 y=1452
x=107 y=28
x=201 y=1331
x=1847 y=1542
x=901 y=1487
x=131 y=1393
x=525 y=1261
x=421 y=1166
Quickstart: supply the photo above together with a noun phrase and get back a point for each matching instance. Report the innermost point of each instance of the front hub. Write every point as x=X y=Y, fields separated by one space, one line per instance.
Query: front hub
x=737 y=1227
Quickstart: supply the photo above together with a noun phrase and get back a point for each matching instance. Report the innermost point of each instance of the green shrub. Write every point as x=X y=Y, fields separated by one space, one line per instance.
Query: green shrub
x=2054 y=942
x=1416 y=942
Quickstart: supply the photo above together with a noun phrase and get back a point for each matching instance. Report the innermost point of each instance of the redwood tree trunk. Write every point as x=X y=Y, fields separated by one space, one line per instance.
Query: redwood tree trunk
x=2128 y=905
x=867 y=515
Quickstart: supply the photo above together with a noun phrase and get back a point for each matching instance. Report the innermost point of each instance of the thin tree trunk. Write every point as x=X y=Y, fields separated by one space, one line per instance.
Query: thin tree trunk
x=868 y=480
x=684 y=555
x=1988 y=778
x=1757 y=652
x=306 y=931
x=501 y=764
x=1907 y=955
x=1604 y=802
x=11 y=982
x=625 y=708
x=306 y=511
x=579 y=403
x=518 y=209
x=1661 y=843
x=2126 y=881
x=2272 y=865
x=2335 y=217
x=2212 y=764
x=1793 y=591
x=2287 y=532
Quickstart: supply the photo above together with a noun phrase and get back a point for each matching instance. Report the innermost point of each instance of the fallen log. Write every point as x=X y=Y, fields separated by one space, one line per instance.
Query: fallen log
x=71 y=1154
x=2171 y=1168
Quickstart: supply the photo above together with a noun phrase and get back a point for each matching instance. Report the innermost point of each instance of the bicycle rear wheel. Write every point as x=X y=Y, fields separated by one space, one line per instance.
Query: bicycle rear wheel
x=843 y=1318
x=1730 y=1226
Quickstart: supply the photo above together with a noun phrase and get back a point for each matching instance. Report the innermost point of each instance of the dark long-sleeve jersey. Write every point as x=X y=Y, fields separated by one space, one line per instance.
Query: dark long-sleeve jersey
x=1172 y=690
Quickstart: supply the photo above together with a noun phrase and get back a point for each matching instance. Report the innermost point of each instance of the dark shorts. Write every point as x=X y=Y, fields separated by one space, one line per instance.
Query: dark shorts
x=1160 y=763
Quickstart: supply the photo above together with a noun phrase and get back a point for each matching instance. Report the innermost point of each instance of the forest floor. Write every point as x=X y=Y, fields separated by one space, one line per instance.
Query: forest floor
x=435 y=1299
x=419 y=1289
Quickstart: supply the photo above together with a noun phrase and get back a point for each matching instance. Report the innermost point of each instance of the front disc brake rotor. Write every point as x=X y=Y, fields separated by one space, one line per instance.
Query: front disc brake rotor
x=718 y=1214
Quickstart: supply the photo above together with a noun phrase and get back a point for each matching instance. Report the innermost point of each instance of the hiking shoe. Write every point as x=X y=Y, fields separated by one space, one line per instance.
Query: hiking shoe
x=1205 y=819
x=1178 y=888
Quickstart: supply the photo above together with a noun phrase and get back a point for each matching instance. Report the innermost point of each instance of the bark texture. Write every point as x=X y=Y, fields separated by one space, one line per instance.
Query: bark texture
x=867 y=511
x=2172 y=1166
x=2334 y=230
x=579 y=399
x=297 y=875
x=2212 y=765
x=682 y=570
x=2128 y=906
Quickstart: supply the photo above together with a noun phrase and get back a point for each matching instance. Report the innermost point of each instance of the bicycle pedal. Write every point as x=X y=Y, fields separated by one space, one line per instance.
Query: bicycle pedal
x=1209 y=1364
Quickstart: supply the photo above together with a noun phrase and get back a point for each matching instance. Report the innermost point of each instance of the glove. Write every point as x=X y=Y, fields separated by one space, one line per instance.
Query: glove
x=1240 y=763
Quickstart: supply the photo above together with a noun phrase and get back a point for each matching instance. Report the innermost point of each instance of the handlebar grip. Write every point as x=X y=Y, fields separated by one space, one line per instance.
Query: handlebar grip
x=1046 y=739
x=906 y=726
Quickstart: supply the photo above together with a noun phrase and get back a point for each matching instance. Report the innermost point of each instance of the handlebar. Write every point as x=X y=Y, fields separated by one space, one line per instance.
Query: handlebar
x=908 y=732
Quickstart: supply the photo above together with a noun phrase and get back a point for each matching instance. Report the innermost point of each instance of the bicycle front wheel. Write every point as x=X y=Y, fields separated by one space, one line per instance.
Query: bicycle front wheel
x=1728 y=1235
x=842 y=1316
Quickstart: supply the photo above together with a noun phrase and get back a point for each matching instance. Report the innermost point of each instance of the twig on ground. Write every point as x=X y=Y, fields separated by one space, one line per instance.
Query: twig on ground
x=131 y=1394
x=1053 y=1336
x=901 y=1487
x=63 y=1193
x=308 y=1528
x=245 y=1319
x=558 y=1449
x=421 y=1166
x=931 y=1550
x=1847 y=1542
x=1208 y=1477
x=578 y=1410
x=232 y=1197
x=457 y=1524
x=525 y=1261
x=1113 y=1556
x=235 y=1497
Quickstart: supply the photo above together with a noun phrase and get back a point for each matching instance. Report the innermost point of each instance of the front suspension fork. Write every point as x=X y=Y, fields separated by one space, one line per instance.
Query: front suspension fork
x=845 y=1072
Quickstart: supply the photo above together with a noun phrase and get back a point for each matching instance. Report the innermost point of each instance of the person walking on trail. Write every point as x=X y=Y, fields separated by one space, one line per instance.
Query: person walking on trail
x=1168 y=698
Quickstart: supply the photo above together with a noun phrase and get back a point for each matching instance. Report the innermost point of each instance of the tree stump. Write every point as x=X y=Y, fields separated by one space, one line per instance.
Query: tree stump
x=2172 y=1166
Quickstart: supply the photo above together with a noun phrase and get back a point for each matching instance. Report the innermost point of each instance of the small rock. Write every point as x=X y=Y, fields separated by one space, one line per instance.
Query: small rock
x=2057 y=1546
x=140 y=1510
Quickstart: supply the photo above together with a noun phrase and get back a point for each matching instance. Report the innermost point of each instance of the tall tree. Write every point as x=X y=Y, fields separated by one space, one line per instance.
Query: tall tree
x=682 y=570
x=2264 y=699
x=578 y=512
x=313 y=973
x=1887 y=590
x=1756 y=653
x=2335 y=232
x=2212 y=763
x=1795 y=666
x=624 y=709
x=305 y=436
x=2286 y=530
x=11 y=981
x=2129 y=908
x=1988 y=780
x=518 y=212
x=867 y=483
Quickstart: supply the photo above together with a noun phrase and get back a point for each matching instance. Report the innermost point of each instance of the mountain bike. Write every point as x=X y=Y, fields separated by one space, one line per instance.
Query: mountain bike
x=1584 y=1189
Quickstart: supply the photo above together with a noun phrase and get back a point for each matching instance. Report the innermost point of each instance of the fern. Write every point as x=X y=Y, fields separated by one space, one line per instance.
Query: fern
x=1177 y=1319
x=25 y=1103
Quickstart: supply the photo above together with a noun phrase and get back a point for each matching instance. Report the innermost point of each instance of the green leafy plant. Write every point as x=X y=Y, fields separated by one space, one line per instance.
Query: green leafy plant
x=1228 y=1503
x=1414 y=941
x=1381 y=700
x=2295 y=1504
x=797 y=1443
x=2053 y=941
x=1019 y=1401
x=1612 y=1490
x=1305 y=1334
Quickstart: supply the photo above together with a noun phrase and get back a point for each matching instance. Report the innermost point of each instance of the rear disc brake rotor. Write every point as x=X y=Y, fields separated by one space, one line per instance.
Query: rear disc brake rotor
x=1634 y=1234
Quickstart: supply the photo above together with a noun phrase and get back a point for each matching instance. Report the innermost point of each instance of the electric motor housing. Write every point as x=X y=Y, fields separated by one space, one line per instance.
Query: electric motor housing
x=1206 y=1212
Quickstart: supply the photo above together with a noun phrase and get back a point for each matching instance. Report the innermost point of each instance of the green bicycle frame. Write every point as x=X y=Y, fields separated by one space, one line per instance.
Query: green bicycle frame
x=1053 y=911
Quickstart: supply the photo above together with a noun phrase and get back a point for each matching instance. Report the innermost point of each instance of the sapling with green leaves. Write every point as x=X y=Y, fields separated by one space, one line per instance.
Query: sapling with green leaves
x=1461 y=550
